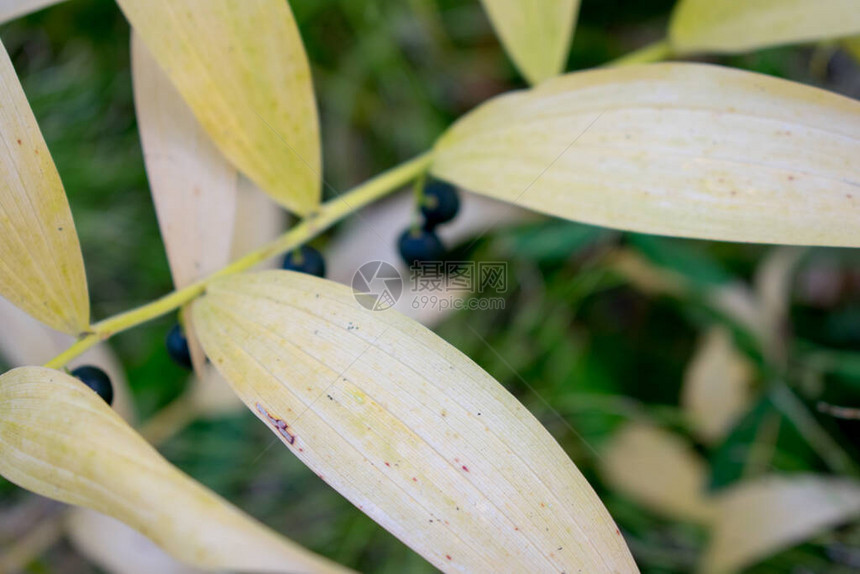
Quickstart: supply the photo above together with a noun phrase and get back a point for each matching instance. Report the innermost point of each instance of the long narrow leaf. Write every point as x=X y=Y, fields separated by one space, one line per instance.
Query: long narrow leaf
x=675 y=149
x=59 y=439
x=41 y=268
x=759 y=518
x=193 y=185
x=536 y=35
x=406 y=427
x=242 y=69
x=733 y=26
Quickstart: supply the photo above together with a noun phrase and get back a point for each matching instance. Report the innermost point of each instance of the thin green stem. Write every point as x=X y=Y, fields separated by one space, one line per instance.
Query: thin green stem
x=655 y=52
x=818 y=438
x=418 y=193
x=328 y=214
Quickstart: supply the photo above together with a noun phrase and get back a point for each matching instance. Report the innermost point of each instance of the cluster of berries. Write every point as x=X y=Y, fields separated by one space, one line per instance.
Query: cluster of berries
x=440 y=205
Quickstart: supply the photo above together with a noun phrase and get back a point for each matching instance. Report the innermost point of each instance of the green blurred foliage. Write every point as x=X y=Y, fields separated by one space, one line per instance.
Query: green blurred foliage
x=579 y=345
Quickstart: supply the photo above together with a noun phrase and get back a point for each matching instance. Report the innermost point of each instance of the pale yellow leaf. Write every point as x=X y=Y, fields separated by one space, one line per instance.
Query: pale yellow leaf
x=676 y=149
x=117 y=548
x=61 y=440
x=759 y=518
x=657 y=470
x=242 y=69
x=41 y=268
x=259 y=220
x=739 y=26
x=193 y=186
x=716 y=388
x=536 y=35
x=406 y=427
x=11 y=9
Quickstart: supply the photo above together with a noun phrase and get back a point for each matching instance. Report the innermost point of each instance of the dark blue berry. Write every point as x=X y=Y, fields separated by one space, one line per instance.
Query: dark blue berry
x=441 y=203
x=177 y=347
x=420 y=245
x=306 y=259
x=97 y=380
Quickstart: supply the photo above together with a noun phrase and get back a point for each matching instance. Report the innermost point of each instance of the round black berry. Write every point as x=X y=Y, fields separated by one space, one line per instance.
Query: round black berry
x=441 y=203
x=97 y=380
x=420 y=245
x=177 y=347
x=305 y=259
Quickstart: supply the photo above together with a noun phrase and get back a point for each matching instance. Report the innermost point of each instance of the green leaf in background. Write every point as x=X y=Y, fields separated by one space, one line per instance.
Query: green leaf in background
x=242 y=69
x=552 y=241
x=536 y=35
x=41 y=267
x=688 y=259
x=739 y=26
x=762 y=439
x=676 y=149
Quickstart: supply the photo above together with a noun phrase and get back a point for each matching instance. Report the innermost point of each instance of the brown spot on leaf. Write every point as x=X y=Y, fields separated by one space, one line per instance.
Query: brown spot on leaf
x=466 y=468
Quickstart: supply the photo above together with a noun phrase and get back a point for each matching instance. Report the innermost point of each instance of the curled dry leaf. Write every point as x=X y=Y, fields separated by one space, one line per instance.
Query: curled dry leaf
x=716 y=387
x=762 y=517
x=193 y=185
x=536 y=35
x=11 y=9
x=242 y=69
x=659 y=471
x=60 y=440
x=406 y=427
x=676 y=149
x=41 y=267
x=732 y=26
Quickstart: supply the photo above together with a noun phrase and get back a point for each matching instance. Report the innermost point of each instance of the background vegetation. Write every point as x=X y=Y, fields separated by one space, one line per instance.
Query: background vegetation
x=596 y=350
